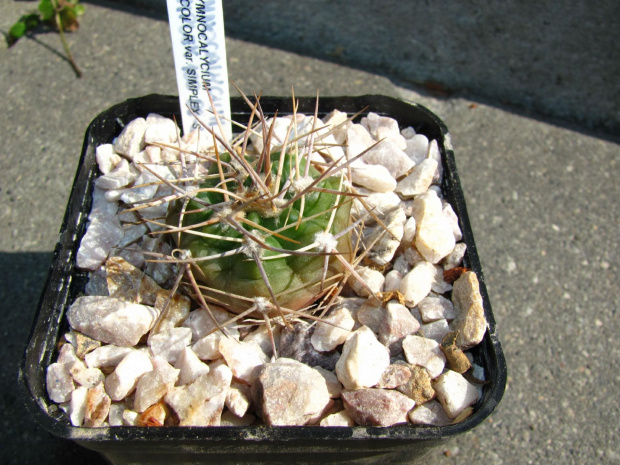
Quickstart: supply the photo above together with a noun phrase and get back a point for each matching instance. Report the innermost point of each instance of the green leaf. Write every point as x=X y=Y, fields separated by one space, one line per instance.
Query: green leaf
x=47 y=9
x=17 y=31
x=78 y=10
x=32 y=20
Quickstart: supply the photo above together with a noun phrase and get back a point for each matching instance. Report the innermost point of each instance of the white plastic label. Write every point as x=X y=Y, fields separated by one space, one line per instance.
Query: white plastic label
x=199 y=49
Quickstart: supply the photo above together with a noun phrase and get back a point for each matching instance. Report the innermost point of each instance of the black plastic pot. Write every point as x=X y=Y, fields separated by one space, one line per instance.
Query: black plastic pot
x=307 y=444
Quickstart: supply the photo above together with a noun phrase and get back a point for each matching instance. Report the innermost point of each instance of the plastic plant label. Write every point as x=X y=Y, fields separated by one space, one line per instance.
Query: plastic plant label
x=199 y=49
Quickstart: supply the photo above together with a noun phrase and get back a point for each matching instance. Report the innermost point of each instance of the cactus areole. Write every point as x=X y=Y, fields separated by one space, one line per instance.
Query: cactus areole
x=264 y=233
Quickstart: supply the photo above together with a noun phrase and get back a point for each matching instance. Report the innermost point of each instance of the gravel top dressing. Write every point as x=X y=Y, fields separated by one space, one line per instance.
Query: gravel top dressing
x=314 y=277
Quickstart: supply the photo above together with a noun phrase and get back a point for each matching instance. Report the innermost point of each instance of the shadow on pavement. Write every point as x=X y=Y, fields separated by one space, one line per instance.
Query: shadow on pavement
x=554 y=59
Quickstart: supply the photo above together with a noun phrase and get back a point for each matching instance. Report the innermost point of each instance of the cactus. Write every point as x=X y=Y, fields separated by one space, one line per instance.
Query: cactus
x=268 y=233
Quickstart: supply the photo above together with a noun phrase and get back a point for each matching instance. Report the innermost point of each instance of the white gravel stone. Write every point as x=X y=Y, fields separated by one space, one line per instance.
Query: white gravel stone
x=190 y=367
x=153 y=385
x=453 y=219
x=242 y=358
x=417 y=148
x=153 y=154
x=392 y=280
x=430 y=413
x=201 y=323
x=160 y=129
x=416 y=284
x=388 y=154
x=401 y=264
x=115 y=415
x=123 y=380
x=419 y=180
x=374 y=177
x=439 y=286
x=409 y=232
x=426 y=205
x=106 y=356
x=238 y=398
x=329 y=148
x=149 y=390
x=358 y=140
x=396 y=324
x=424 y=352
x=279 y=127
x=377 y=407
x=132 y=233
x=87 y=377
x=455 y=258
x=370 y=314
x=77 y=407
x=434 y=154
x=159 y=271
x=380 y=203
x=107 y=158
x=341 y=418
x=261 y=336
x=170 y=343
x=176 y=310
x=383 y=127
x=374 y=279
x=144 y=187
x=387 y=241
x=436 y=330
x=102 y=207
x=102 y=234
x=434 y=238
x=113 y=195
x=413 y=257
x=194 y=141
x=334 y=387
x=111 y=320
x=363 y=360
x=168 y=373
x=337 y=120
x=130 y=417
x=121 y=176
x=433 y=308
x=478 y=373
x=455 y=393
x=132 y=254
x=333 y=330
x=131 y=139
x=67 y=353
x=408 y=132
x=230 y=419
x=470 y=321
x=201 y=403
x=208 y=347
x=289 y=394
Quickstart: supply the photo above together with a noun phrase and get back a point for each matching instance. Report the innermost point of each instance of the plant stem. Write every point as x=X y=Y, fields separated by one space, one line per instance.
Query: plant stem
x=72 y=62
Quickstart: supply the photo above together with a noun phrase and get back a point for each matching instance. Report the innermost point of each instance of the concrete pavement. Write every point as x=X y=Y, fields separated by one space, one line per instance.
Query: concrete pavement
x=542 y=197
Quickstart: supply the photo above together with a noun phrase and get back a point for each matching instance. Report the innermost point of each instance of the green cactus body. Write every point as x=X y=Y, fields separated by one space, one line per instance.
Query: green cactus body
x=235 y=280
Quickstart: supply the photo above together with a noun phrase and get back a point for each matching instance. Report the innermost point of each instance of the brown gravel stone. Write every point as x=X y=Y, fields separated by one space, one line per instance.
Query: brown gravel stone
x=418 y=387
x=455 y=357
x=155 y=415
x=467 y=301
